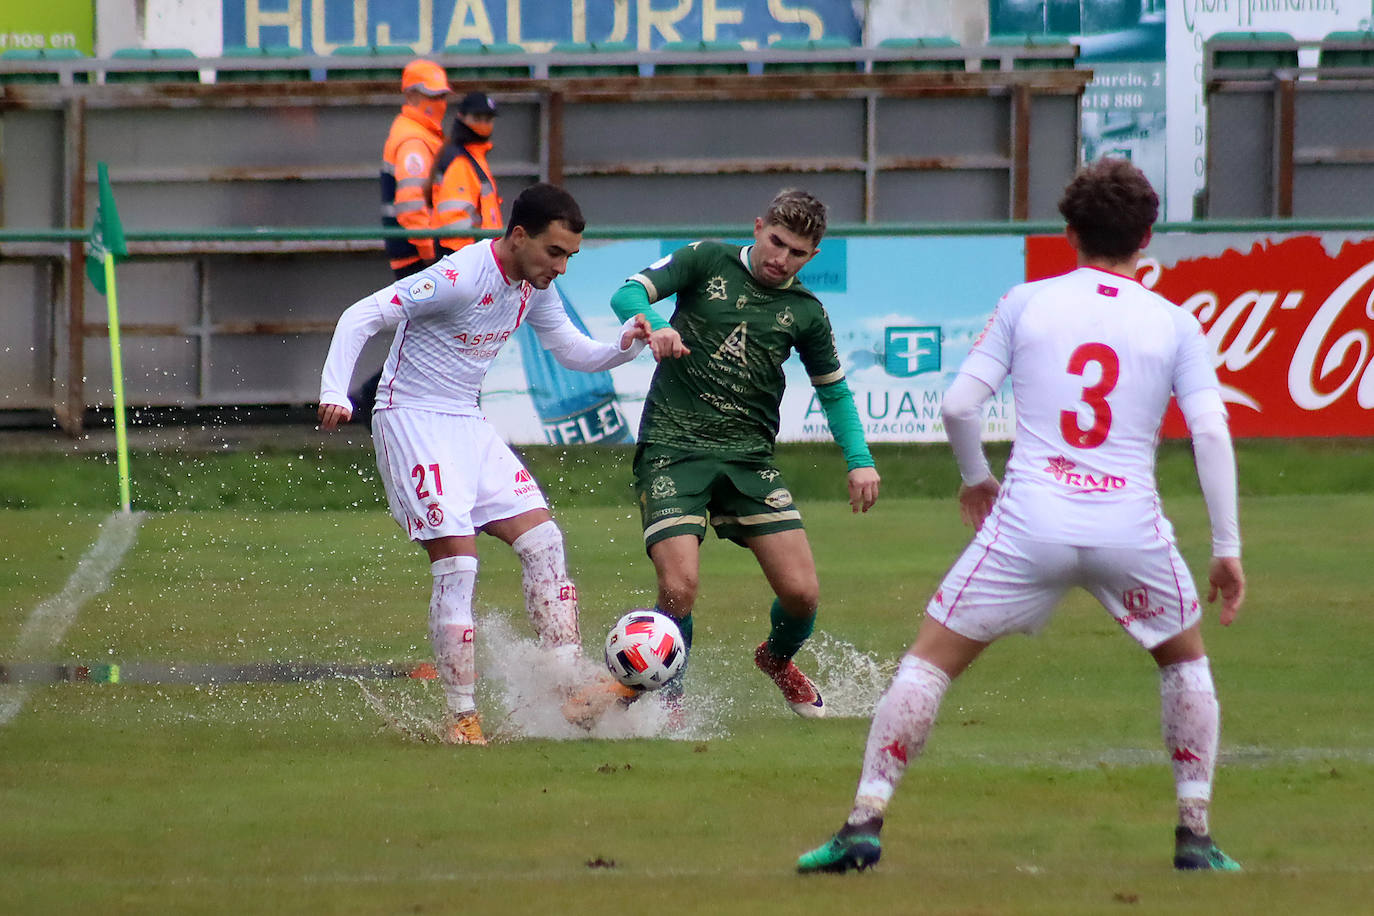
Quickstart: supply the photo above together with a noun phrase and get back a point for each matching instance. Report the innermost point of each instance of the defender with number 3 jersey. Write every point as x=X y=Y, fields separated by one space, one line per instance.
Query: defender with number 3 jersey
x=1093 y=358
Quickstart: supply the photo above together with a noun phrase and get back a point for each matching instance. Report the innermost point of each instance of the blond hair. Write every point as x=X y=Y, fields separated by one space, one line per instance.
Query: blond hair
x=797 y=211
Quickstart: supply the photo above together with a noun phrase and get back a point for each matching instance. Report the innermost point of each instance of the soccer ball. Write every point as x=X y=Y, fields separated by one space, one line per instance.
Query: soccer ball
x=645 y=649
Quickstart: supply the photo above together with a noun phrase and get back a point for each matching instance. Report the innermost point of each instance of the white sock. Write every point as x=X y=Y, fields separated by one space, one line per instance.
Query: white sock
x=451 y=630
x=1190 y=720
x=550 y=596
x=901 y=723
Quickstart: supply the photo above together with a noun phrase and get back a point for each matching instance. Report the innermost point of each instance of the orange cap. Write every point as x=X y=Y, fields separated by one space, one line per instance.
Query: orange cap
x=425 y=76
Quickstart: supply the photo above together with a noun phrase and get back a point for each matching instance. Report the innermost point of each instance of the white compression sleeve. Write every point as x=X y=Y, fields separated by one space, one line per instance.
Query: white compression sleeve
x=581 y=353
x=1215 y=457
x=356 y=325
x=962 y=410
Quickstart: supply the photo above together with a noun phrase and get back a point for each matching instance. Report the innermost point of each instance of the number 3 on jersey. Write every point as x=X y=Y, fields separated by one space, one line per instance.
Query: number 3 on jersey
x=1095 y=396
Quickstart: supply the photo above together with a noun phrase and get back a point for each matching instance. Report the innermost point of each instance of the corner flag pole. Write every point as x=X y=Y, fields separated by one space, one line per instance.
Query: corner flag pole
x=117 y=373
x=105 y=245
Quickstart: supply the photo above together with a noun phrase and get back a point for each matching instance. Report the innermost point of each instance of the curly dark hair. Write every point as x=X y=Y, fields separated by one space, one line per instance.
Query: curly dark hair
x=1111 y=206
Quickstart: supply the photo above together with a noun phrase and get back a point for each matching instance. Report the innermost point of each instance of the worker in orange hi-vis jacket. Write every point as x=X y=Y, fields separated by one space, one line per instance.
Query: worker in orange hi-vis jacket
x=464 y=191
x=415 y=138
x=416 y=135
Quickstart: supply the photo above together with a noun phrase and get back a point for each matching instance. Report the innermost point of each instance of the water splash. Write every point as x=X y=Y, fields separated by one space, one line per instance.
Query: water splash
x=528 y=685
x=850 y=679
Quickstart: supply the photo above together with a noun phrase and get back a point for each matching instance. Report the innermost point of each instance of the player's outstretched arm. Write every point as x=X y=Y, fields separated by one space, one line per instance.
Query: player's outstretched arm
x=639 y=330
x=863 y=488
x=666 y=343
x=632 y=300
x=1226 y=577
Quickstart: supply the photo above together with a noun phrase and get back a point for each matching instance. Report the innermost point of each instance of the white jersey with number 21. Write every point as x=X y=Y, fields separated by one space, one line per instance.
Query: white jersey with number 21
x=1093 y=358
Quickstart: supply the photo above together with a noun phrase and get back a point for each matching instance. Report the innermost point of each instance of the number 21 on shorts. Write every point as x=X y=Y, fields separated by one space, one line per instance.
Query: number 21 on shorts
x=417 y=474
x=1095 y=396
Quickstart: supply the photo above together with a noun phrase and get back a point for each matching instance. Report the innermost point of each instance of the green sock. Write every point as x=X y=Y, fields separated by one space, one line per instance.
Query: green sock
x=684 y=625
x=788 y=632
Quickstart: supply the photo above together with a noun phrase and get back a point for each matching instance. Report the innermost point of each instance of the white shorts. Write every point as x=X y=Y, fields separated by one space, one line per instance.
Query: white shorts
x=448 y=475
x=1003 y=585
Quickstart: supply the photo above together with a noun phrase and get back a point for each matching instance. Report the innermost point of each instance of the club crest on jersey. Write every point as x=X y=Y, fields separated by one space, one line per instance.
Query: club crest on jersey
x=715 y=288
x=663 y=488
x=422 y=289
x=434 y=514
x=785 y=319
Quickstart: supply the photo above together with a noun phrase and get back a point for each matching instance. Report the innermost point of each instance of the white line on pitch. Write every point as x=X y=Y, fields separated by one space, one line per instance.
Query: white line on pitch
x=42 y=632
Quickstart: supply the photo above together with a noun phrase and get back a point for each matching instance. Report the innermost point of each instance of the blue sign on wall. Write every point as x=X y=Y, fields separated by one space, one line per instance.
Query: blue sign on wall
x=909 y=351
x=427 y=26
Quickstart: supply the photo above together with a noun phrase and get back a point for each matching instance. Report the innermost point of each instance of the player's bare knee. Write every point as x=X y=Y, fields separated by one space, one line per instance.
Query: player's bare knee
x=677 y=593
x=800 y=601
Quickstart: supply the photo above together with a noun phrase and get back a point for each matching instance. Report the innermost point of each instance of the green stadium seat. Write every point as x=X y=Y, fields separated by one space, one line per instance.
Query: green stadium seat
x=1035 y=41
x=592 y=67
x=40 y=55
x=281 y=53
x=153 y=76
x=817 y=47
x=1267 y=51
x=467 y=62
x=942 y=44
x=358 y=55
x=701 y=67
x=1346 y=50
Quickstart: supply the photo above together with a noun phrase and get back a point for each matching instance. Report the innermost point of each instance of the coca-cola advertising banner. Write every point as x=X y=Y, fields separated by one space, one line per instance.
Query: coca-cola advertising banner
x=1289 y=320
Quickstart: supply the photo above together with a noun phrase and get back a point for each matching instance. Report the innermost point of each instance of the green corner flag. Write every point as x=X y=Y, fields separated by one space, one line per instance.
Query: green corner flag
x=107 y=234
x=105 y=246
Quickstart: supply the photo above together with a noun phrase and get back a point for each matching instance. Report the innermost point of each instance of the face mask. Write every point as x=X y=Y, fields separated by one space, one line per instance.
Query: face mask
x=480 y=128
x=433 y=109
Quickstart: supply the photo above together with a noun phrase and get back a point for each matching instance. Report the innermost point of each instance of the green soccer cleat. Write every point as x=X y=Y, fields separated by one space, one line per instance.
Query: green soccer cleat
x=841 y=853
x=1199 y=853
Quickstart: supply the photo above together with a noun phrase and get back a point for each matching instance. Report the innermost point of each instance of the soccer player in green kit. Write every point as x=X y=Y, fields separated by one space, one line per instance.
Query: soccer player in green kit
x=711 y=418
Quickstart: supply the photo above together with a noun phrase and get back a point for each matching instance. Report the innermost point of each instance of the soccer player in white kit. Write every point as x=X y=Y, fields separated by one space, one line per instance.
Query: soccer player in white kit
x=448 y=475
x=1093 y=359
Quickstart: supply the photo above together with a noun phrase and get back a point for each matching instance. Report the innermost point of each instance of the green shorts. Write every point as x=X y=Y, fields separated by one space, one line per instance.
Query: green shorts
x=743 y=497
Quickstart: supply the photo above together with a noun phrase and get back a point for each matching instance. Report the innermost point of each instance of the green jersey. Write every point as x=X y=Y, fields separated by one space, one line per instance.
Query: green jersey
x=725 y=395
